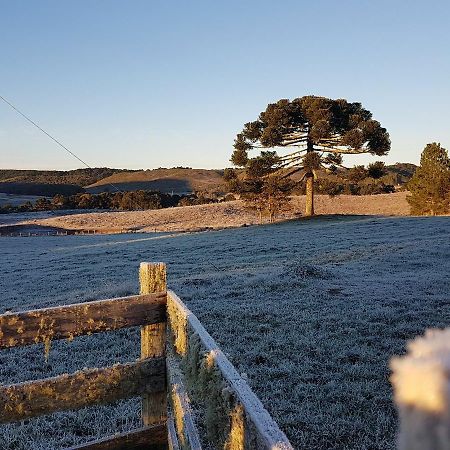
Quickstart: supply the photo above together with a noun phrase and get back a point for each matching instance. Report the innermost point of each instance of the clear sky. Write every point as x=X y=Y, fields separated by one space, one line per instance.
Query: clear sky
x=145 y=84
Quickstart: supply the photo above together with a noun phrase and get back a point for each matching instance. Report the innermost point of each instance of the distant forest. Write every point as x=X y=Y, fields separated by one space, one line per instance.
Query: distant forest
x=128 y=201
x=358 y=180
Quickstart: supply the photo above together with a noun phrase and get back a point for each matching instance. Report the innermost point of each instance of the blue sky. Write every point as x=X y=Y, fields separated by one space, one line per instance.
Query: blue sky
x=145 y=84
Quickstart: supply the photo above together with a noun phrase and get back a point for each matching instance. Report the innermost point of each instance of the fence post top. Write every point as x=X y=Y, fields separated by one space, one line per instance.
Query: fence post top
x=152 y=277
x=154 y=263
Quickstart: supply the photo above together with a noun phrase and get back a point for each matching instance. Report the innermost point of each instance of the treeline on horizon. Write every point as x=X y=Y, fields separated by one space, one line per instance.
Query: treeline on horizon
x=359 y=180
x=376 y=179
x=76 y=178
x=124 y=201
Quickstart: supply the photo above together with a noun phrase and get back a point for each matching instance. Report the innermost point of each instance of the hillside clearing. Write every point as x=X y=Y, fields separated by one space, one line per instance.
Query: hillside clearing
x=177 y=180
x=222 y=215
x=310 y=311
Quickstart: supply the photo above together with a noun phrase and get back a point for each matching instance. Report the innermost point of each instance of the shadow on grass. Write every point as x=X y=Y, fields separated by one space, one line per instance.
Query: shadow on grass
x=329 y=218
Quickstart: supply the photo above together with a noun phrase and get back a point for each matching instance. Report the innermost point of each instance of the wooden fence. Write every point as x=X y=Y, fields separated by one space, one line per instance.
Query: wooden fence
x=179 y=362
x=12 y=231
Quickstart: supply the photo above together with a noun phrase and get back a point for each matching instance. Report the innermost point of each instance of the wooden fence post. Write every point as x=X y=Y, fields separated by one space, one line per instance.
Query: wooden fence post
x=153 y=278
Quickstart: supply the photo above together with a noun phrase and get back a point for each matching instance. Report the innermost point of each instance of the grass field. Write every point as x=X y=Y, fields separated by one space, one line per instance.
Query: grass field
x=220 y=215
x=310 y=311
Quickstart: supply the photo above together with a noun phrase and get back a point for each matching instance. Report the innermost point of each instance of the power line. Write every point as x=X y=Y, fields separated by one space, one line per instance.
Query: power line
x=51 y=137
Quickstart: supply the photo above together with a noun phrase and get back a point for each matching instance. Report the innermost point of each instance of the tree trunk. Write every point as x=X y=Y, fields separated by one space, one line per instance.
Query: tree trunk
x=309 y=210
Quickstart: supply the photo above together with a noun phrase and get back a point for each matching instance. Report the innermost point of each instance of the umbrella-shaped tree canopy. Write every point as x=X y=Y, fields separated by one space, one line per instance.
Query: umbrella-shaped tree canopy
x=319 y=129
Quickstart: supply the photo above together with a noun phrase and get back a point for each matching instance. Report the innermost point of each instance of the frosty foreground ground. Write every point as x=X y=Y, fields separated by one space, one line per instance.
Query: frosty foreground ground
x=311 y=311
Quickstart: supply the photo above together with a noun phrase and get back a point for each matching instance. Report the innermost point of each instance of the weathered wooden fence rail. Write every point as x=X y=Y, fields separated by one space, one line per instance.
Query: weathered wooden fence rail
x=235 y=417
x=175 y=366
x=97 y=386
x=67 y=322
x=12 y=231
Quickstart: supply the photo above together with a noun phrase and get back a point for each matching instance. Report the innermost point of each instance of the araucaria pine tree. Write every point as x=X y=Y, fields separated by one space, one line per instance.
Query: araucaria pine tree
x=318 y=131
x=430 y=184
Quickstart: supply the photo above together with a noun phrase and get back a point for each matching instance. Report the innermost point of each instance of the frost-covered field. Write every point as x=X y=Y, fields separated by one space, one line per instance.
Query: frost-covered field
x=311 y=311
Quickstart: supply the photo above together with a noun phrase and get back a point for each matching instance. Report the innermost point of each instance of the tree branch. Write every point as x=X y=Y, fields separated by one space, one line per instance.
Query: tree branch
x=287 y=144
x=334 y=164
x=292 y=155
x=343 y=151
x=296 y=134
x=329 y=140
x=302 y=178
x=291 y=163
x=297 y=169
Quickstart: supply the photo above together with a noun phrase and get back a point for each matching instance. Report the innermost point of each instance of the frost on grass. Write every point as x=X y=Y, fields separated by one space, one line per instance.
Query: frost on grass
x=310 y=311
x=421 y=381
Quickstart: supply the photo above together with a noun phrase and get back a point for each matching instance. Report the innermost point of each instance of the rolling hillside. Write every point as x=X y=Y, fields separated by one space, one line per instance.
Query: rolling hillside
x=50 y=182
x=177 y=180
x=79 y=177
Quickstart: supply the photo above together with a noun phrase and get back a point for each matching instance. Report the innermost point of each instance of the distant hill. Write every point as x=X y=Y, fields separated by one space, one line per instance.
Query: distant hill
x=51 y=182
x=178 y=180
x=78 y=177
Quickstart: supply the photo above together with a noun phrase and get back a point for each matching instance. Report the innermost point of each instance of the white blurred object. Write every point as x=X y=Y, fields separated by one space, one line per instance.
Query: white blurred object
x=421 y=381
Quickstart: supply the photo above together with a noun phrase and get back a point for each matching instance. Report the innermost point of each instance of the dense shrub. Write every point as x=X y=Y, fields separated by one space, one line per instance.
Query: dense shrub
x=357 y=173
x=376 y=188
x=338 y=185
x=376 y=170
x=329 y=187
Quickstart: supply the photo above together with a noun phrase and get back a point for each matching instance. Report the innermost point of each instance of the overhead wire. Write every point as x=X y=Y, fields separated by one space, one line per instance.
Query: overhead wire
x=51 y=137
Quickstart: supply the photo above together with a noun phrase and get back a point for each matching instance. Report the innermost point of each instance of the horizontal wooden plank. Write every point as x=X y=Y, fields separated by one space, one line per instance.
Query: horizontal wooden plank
x=148 y=438
x=82 y=388
x=265 y=432
x=44 y=325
